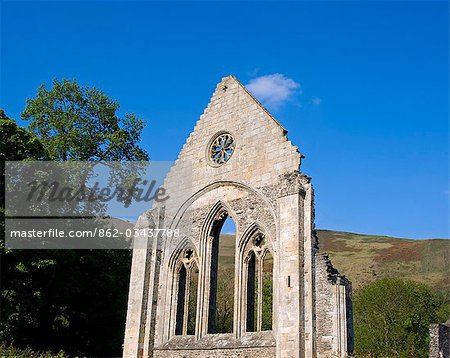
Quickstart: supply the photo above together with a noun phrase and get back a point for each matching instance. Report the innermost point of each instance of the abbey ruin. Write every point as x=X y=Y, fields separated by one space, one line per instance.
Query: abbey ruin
x=237 y=163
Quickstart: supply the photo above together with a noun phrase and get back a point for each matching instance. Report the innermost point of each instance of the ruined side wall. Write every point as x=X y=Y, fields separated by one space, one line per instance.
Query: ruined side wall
x=334 y=316
x=324 y=314
x=439 y=341
x=144 y=280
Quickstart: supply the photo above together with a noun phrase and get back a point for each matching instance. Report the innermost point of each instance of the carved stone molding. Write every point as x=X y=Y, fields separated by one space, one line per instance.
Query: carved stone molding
x=292 y=183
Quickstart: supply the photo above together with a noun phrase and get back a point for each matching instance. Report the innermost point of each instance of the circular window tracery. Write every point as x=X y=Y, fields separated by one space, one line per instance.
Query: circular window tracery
x=221 y=148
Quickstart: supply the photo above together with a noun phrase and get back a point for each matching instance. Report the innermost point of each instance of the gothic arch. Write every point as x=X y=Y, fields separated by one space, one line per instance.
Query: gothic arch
x=209 y=241
x=253 y=247
x=221 y=184
x=250 y=231
x=182 y=261
x=219 y=211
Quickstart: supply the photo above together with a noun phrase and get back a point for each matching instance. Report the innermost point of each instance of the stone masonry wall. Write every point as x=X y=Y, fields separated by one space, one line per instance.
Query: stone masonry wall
x=333 y=331
x=261 y=345
x=262 y=150
x=440 y=341
x=324 y=314
x=259 y=352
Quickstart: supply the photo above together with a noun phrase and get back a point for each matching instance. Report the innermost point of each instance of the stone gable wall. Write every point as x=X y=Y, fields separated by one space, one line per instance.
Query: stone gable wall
x=262 y=150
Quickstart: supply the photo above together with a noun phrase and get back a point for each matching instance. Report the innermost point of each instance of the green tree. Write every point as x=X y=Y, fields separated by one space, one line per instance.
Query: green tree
x=392 y=317
x=267 y=302
x=81 y=123
x=74 y=300
x=16 y=143
x=224 y=300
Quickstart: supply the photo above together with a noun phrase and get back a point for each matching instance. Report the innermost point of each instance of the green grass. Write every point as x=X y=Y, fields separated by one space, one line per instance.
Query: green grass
x=12 y=352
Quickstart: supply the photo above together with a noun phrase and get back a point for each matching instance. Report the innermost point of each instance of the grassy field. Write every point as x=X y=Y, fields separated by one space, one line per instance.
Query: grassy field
x=365 y=258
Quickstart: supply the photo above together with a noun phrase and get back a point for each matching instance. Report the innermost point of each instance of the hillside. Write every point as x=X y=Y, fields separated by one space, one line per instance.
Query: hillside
x=365 y=258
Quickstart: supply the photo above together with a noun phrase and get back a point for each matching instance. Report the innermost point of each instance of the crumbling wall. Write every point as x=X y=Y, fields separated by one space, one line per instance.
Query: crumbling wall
x=440 y=340
x=334 y=312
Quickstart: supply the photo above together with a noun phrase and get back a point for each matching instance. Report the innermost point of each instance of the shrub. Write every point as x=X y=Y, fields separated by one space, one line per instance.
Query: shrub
x=392 y=318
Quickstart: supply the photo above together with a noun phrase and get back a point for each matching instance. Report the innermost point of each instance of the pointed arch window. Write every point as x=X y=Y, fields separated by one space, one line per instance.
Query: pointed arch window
x=252 y=297
x=182 y=273
x=267 y=292
x=192 y=301
x=186 y=294
x=222 y=269
x=259 y=285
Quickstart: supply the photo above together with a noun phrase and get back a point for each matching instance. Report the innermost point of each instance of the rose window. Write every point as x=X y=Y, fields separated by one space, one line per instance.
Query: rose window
x=221 y=148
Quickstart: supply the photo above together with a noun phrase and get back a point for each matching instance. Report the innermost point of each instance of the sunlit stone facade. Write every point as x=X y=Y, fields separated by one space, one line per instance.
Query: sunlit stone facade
x=236 y=163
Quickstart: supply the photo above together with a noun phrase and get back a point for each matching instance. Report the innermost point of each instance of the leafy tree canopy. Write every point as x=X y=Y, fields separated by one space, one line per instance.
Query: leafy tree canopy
x=392 y=318
x=55 y=299
x=81 y=123
x=16 y=143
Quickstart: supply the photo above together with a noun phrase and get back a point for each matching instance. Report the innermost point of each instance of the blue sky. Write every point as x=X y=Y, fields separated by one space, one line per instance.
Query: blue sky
x=362 y=87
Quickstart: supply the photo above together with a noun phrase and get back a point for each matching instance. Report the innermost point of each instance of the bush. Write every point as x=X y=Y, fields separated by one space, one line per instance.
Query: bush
x=392 y=318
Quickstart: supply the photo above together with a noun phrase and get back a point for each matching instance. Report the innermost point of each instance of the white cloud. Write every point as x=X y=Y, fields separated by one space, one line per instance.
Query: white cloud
x=273 y=90
x=316 y=100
